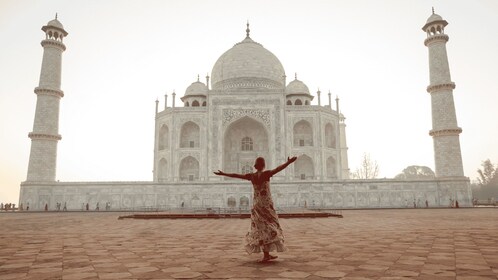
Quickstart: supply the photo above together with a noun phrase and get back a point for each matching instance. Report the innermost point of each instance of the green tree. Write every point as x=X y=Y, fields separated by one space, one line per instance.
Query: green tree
x=416 y=172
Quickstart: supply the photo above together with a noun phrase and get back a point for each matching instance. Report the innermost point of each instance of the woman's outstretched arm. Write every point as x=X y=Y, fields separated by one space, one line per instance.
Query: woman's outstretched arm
x=283 y=166
x=234 y=175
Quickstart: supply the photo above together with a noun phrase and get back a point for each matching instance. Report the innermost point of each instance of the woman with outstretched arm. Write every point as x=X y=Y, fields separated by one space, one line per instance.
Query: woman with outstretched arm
x=266 y=234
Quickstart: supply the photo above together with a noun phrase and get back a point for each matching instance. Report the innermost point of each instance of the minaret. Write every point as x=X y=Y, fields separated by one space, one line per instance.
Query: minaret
x=445 y=131
x=45 y=134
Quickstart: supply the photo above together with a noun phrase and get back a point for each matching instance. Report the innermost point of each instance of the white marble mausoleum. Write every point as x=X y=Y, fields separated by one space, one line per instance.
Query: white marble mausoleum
x=247 y=108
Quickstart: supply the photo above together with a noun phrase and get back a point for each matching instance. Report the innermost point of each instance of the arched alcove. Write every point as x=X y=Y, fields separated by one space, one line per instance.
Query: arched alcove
x=189 y=169
x=189 y=135
x=236 y=152
x=331 y=168
x=330 y=140
x=195 y=103
x=289 y=102
x=162 y=170
x=298 y=102
x=231 y=202
x=303 y=134
x=303 y=168
x=163 y=137
x=244 y=201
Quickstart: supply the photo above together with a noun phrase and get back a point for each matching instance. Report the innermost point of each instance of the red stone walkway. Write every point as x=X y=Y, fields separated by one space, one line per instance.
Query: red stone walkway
x=366 y=244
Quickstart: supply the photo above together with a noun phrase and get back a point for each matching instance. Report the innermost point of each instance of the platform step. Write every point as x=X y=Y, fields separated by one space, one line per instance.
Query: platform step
x=226 y=216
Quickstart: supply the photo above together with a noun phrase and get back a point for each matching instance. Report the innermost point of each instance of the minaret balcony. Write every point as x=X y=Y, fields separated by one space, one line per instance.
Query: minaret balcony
x=438 y=87
x=49 y=92
x=43 y=136
x=53 y=43
x=436 y=38
x=445 y=132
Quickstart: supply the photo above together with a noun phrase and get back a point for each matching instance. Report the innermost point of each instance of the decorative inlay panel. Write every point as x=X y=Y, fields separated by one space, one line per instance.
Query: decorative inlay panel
x=230 y=115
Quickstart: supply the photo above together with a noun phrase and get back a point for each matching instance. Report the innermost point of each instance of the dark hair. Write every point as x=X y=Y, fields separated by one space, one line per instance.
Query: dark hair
x=259 y=164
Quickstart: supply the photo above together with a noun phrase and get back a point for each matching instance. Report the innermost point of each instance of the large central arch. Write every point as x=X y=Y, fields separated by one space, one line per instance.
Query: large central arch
x=237 y=152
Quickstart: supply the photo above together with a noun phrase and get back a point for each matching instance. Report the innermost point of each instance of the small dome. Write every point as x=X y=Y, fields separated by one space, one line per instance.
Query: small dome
x=55 y=23
x=296 y=87
x=434 y=17
x=196 y=88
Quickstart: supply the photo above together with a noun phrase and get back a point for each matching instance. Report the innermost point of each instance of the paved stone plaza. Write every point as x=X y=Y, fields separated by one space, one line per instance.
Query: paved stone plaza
x=365 y=244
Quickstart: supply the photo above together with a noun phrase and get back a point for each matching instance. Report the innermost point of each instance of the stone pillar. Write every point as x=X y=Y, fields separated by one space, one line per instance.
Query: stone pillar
x=45 y=134
x=165 y=101
x=174 y=97
x=445 y=131
x=318 y=95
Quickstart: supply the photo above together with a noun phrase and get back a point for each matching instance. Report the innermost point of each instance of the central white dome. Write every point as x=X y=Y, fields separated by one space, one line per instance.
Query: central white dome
x=247 y=65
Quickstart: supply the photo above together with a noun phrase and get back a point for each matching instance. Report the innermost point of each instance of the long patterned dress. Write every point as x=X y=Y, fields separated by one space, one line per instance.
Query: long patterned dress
x=266 y=233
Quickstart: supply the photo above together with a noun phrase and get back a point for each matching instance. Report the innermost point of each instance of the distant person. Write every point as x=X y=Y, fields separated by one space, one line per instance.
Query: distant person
x=426 y=204
x=97 y=207
x=87 y=206
x=266 y=234
x=27 y=206
x=46 y=206
x=456 y=204
x=65 y=207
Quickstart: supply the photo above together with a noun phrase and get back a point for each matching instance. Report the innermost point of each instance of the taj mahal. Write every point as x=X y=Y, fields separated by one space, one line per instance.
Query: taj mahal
x=247 y=108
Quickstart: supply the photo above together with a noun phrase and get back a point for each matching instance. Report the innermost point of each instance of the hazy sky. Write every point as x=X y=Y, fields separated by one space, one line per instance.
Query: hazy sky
x=122 y=55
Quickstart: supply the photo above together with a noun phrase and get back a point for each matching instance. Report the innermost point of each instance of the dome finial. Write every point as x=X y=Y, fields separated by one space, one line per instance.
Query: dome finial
x=55 y=15
x=295 y=76
x=198 y=77
x=247 y=30
x=432 y=10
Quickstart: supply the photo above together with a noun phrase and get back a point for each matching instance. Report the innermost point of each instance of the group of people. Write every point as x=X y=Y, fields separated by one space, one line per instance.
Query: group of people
x=97 y=206
x=58 y=206
x=7 y=206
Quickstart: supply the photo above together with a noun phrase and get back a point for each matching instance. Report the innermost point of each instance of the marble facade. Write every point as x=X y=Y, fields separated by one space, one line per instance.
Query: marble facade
x=247 y=110
x=340 y=194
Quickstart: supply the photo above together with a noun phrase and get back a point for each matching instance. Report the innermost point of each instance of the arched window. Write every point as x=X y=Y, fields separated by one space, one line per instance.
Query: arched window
x=298 y=102
x=195 y=103
x=204 y=104
x=247 y=144
x=289 y=102
x=247 y=168
x=186 y=104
